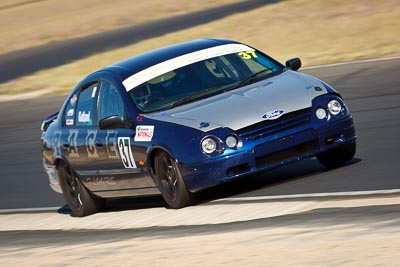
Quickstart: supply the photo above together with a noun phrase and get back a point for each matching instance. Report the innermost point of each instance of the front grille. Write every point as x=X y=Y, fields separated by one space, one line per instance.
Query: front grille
x=270 y=127
x=287 y=153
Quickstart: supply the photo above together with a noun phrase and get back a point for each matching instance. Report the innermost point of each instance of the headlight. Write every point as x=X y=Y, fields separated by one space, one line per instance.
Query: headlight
x=209 y=145
x=320 y=113
x=231 y=141
x=334 y=107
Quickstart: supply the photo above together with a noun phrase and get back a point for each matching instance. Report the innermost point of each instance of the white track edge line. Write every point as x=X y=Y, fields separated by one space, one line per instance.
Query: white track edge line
x=351 y=62
x=313 y=195
x=237 y=199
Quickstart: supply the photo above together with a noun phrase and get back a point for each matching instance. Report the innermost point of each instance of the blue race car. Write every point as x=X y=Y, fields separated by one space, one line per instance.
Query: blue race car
x=187 y=117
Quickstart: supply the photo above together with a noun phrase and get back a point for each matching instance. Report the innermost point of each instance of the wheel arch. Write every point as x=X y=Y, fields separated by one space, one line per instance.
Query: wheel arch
x=59 y=160
x=171 y=184
x=151 y=155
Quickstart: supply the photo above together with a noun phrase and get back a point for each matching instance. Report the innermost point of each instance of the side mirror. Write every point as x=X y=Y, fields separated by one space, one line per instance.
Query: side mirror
x=113 y=122
x=293 y=64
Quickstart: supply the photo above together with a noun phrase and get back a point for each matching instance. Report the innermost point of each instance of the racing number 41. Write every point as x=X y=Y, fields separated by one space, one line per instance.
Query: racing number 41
x=124 y=146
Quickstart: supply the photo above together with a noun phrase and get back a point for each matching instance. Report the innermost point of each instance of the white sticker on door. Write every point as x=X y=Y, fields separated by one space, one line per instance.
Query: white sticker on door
x=144 y=133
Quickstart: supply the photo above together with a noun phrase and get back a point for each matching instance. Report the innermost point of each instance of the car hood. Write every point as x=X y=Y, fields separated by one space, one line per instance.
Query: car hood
x=267 y=99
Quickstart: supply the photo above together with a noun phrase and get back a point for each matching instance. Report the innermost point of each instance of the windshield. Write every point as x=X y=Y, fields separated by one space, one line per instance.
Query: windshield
x=203 y=79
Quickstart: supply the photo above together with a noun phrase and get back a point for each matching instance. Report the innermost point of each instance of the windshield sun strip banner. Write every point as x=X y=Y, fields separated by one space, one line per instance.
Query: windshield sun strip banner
x=181 y=61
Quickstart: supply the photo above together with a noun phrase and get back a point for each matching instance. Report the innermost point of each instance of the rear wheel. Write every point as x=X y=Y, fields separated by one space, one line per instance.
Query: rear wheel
x=337 y=156
x=79 y=199
x=170 y=181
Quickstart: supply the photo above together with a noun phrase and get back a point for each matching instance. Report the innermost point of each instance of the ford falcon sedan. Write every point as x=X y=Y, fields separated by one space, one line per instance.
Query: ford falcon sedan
x=187 y=117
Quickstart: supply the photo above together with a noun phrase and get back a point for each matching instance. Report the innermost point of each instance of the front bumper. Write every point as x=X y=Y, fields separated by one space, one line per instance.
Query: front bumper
x=52 y=174
x=259 y=156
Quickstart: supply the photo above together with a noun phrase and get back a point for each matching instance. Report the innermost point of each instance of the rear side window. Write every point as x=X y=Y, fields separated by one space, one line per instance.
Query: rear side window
x=85 y=107
x=110 y=102
x=69 y=114
x=80 y=110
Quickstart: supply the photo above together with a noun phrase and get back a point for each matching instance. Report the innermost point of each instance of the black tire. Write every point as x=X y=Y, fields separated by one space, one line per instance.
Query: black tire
x=79 y=199
x=337 y=156
x=170 y=181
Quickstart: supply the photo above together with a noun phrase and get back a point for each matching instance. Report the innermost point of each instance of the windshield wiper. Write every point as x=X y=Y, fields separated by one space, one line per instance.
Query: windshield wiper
x=191 y=97
x=247 y=80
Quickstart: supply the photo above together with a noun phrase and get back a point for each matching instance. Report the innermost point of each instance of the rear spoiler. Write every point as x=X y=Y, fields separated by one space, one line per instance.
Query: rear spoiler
x=49 y=120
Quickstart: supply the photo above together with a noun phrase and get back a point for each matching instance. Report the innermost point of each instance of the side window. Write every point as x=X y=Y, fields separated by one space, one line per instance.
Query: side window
x=110 y=102
x=85 y=107
x=69 y=113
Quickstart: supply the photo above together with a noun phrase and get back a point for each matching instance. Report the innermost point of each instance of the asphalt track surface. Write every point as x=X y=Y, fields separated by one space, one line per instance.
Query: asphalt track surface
x=62 y=52
x=370 y=89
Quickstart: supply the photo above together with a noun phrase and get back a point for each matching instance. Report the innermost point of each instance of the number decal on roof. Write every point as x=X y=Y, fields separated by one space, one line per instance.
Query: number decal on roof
x=248 y=54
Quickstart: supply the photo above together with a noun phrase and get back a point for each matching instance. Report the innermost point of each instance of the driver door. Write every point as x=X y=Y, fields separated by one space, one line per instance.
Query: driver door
x=118 y=168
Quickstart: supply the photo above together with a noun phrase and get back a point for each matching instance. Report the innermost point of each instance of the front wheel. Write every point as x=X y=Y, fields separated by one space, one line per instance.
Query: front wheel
x=79 y=199
x=170 y=181
x=337 y=156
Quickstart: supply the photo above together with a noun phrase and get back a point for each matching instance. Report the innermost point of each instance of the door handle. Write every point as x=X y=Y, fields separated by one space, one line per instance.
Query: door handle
x=65 y=145
x=98 y=144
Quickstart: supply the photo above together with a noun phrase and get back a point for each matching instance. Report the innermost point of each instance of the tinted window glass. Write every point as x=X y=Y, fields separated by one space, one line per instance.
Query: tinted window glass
x=221 y=68
x=110 y=102
x=203 y=79
x=69 y=113
x=85 y=114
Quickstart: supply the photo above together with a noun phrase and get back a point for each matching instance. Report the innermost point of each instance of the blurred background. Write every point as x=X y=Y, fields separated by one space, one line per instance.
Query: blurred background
x=47 y=46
